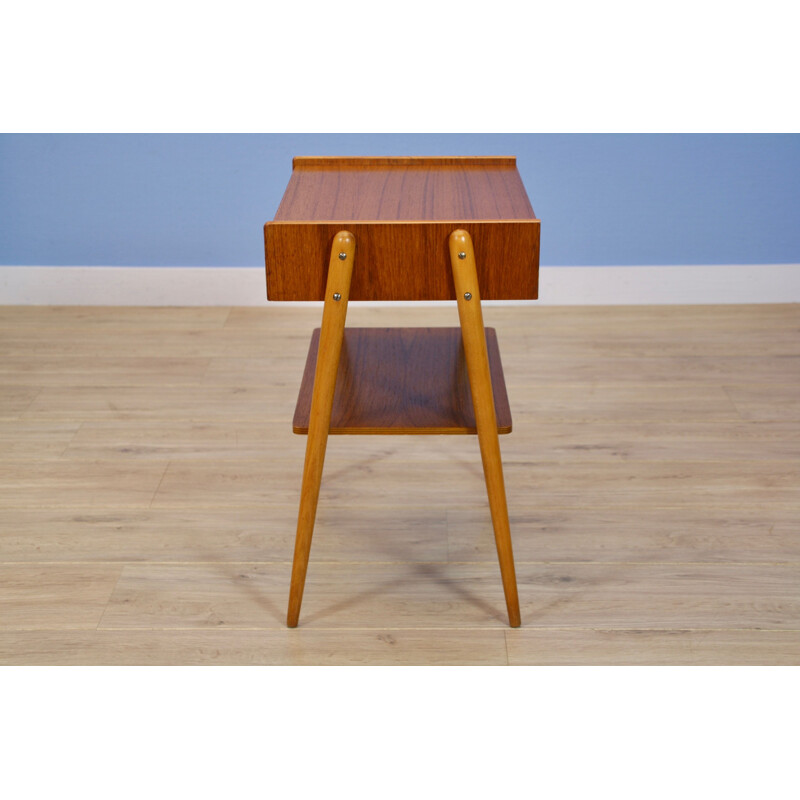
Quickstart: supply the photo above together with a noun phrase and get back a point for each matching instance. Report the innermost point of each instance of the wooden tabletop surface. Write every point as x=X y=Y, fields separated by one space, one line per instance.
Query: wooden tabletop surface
x=404 y=189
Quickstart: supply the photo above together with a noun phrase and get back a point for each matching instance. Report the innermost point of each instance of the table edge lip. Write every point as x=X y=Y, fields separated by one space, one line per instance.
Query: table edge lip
x=401 y=161
x=458 y=222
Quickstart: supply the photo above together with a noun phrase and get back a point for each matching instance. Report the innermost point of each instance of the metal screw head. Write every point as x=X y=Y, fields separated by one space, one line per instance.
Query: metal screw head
x=462 y=256
x=337 y=297
x=342 y=256
x=467 y=295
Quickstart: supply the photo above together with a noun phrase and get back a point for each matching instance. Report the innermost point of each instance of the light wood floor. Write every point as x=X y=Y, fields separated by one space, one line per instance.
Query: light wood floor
x=149 y=483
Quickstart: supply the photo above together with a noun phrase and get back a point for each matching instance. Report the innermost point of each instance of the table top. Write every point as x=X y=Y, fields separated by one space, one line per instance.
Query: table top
x=457 y=188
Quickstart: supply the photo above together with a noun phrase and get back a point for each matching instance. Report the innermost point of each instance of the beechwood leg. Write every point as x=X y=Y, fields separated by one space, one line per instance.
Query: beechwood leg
x=330 y=347
x=465 y=276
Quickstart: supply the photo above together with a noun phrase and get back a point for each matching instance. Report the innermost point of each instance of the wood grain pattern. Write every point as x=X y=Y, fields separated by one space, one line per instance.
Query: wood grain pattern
x=401 y=212
x=28 y=481
x=402 y=260
x=61 y=596
x=653 y=484
x=639 y=647
x=130 y=535
x=352 y=596
x=393 y=190
x=457 y=481
x=402 y=647
x=462 y=258
x=300 y=647
x=631 y=533
x=331 y=336
x=403 y=381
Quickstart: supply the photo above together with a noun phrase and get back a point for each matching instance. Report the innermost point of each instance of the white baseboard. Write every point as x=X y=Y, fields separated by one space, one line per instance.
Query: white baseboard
x=245 y=286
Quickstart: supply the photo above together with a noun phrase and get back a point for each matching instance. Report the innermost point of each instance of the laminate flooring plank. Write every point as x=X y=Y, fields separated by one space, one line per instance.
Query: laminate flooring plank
x=49 y=483
x=60 y=597
x=78 y=370
x=767 y=534
x=637 y=344
x=261 y=372
x=108 y=534
x=733 y=441
x=156 y=439
x=100 y=402
x=374 y=481
x=678 y=371
x=132 y=318
x=279 y=647
x=458 y=596
x=16 y=399
x=609 y=402
x=34 y=440
x=146 y=341
x=654 y=647
x=422 y=595
x=767 y=401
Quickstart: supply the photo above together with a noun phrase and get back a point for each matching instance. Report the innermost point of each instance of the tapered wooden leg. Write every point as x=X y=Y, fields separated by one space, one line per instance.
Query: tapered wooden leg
x=330 y=347
x=473 y=334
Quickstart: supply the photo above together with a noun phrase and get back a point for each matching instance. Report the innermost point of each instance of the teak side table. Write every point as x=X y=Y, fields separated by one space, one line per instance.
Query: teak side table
x=459 y=228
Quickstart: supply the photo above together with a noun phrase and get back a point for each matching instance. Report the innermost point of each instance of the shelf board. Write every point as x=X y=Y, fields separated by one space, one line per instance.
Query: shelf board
x=403 y=381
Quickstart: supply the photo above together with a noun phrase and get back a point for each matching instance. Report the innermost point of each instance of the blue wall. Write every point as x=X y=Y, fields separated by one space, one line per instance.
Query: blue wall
x=201 y=199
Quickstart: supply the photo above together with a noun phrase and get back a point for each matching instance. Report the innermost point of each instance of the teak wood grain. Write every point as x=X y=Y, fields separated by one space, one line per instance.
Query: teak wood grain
x=401 y=211
x=393 y=189
x=403 y=381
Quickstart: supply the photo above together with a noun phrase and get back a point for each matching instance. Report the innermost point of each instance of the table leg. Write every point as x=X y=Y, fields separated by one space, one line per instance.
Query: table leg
x=330 y=346
x=462 y=257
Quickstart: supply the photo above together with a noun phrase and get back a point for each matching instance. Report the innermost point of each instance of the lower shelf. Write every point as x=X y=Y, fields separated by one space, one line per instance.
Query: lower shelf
x=403 y=381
